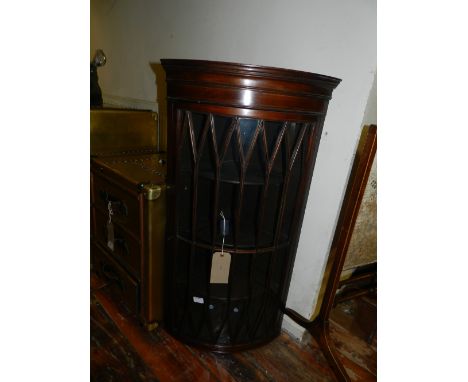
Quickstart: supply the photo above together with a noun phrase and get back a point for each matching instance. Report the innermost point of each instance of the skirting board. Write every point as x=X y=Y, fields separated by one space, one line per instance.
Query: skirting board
x=292 y=328
x=127 y=102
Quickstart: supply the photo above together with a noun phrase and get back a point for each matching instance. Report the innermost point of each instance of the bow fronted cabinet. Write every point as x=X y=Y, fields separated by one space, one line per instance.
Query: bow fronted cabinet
x=242 y=144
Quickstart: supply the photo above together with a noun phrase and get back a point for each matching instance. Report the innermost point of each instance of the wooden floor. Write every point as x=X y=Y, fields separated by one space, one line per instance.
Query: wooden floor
x=121 y=350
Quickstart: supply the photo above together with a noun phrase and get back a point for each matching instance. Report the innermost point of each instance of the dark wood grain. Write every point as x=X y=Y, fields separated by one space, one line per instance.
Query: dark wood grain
x=166 y=357
x=122 y=350
x=112 y=356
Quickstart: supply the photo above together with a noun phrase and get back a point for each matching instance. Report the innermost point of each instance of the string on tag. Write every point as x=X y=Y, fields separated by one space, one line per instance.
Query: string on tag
x=110 y=228
x=109 y=208
x=224 y=225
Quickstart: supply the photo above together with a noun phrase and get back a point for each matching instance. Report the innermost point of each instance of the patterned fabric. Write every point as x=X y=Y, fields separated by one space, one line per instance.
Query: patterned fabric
x=363 y=246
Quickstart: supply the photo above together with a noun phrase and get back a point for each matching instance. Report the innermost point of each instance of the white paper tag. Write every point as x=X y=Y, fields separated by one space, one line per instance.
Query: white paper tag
x=110 y=236
x=198 y=300
x=220 y=264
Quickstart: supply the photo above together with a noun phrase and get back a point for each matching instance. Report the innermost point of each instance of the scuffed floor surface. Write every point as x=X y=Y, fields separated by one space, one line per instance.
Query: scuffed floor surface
x=121 y=350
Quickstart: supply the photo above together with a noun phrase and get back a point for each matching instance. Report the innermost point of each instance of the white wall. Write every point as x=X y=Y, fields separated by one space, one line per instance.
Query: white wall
x=370 y=114
x=331 y=37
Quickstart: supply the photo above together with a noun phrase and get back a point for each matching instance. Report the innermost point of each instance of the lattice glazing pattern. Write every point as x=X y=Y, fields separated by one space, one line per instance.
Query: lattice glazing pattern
x=252 y=171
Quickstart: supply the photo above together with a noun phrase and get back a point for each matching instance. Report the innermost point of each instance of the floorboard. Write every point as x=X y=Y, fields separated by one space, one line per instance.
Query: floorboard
x=122 y=350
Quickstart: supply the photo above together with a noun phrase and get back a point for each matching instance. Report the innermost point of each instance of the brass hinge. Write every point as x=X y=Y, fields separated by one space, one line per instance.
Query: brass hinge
x=152 y=191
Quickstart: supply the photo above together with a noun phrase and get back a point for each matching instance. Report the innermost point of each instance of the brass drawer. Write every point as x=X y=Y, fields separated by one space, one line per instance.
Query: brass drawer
x=125 y=206
x=122 y=286
x=126 y=248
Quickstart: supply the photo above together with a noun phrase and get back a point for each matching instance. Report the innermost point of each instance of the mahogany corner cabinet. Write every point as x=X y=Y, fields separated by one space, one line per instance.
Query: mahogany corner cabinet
x=242 y=143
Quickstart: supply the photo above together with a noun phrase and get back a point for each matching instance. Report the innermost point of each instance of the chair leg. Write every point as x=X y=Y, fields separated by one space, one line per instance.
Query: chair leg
x=320 y=330
x=321 y=333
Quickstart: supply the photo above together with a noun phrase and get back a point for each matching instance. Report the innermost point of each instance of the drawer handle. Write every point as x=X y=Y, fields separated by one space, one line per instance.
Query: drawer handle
x=119 y=241
x=118 y=206
x=112 y=276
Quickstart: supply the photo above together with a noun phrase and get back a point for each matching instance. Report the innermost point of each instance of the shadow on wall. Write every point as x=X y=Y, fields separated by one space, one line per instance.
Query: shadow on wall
x=161 y=100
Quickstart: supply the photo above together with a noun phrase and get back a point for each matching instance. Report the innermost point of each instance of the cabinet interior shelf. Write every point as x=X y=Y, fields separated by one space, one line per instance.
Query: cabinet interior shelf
x=230 y=173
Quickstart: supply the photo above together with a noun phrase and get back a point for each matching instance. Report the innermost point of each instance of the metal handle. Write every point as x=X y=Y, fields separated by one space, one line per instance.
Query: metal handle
x=118 y=206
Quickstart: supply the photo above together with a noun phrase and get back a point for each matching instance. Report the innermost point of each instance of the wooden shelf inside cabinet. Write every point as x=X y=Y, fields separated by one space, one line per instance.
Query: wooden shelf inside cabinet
x=230 y=173
x=246 y=242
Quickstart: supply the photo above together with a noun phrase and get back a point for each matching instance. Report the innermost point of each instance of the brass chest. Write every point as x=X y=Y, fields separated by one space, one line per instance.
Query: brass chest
x=127 y=230
x=128 y=192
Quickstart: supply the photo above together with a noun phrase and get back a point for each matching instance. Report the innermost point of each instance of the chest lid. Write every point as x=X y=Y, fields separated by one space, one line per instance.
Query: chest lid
x=147 y=169
x=115 y=131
